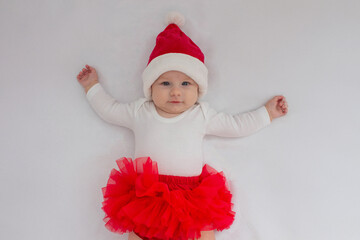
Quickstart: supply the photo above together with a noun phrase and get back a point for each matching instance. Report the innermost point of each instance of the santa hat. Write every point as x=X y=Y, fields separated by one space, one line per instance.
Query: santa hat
x=174 y=50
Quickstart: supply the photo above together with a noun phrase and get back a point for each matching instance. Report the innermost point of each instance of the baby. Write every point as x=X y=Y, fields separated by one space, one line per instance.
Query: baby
x=168 y=192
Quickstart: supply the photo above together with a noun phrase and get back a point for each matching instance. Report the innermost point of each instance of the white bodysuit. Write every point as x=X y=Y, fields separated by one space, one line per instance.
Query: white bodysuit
x=174 y=143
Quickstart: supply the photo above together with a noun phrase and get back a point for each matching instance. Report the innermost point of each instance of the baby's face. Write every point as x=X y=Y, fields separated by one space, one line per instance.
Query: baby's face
x=173 y=93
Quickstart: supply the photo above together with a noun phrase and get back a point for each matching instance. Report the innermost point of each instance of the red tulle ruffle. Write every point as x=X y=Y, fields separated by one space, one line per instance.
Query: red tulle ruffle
x=155 y=206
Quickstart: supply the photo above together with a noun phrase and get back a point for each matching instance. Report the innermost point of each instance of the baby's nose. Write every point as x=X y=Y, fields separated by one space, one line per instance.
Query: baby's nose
x=175 y=91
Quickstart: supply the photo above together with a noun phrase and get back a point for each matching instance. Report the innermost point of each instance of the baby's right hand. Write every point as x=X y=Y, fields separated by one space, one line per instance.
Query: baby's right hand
x=87 y=77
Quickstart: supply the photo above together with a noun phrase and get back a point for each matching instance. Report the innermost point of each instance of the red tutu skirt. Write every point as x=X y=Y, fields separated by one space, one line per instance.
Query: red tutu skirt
x=165 y=207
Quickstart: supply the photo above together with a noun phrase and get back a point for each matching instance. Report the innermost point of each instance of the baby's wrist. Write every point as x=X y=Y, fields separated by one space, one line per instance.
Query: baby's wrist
x=87 y=88
x=269 y=112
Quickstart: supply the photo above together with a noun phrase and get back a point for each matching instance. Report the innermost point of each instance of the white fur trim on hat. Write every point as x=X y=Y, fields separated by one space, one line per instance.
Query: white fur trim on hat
x=184 y=63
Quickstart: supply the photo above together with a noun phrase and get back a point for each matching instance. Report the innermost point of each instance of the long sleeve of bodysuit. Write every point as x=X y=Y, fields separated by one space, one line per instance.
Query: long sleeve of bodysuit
x=238 y=125
x=110 y=110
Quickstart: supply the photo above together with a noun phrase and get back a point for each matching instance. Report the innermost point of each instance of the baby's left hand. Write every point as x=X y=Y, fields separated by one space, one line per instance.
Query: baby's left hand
x=277 y=107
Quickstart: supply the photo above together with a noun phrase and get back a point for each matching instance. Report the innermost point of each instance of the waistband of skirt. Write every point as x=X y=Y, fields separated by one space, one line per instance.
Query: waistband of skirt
x=179 y=179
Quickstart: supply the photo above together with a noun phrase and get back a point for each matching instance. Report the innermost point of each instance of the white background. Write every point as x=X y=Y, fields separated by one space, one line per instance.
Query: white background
x=297 y=179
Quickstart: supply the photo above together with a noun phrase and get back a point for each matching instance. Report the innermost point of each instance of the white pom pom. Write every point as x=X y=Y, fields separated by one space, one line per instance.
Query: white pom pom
x=175 y=17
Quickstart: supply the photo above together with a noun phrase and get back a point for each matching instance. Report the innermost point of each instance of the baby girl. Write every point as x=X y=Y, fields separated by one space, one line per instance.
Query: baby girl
x=168 y=192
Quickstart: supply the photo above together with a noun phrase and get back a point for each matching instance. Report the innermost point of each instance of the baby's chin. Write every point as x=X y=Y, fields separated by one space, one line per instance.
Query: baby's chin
x=176 y=110
x=178 y=107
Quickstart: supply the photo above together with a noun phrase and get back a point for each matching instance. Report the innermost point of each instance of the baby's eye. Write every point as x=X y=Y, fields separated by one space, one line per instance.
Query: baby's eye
x=186 y=83
x=165 y=83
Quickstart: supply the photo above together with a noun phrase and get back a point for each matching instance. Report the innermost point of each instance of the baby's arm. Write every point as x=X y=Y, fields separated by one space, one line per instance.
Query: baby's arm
x=238 y=125
x=104 y=105
x=244 y=124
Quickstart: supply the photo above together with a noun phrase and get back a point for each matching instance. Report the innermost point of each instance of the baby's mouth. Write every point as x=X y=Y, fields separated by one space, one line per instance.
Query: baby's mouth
x=175 y=102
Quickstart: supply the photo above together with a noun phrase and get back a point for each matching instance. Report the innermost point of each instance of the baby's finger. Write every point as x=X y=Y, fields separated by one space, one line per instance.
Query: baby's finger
x=279 y=97
x=91 y=69
x=282 y=100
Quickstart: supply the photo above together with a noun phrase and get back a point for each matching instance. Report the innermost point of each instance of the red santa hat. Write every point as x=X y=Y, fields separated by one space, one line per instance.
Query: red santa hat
x=174 y=50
